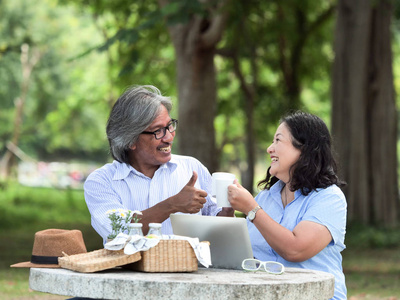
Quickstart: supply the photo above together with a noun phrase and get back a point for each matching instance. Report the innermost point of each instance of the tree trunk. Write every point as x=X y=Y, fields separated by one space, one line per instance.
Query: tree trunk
x=195 y=42
x=27 y=65
x=364 y=123
x=247 y=173
x=197 y=105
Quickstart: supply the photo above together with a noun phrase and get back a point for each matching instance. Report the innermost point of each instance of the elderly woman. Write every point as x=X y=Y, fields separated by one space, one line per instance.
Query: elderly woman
x=299 y=217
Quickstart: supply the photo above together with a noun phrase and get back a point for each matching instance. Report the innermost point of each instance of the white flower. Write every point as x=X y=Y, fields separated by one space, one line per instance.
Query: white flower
x=111 y=211
x=120 y=218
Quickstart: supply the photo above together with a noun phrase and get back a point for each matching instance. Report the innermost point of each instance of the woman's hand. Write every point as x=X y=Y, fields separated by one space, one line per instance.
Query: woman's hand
x=240 y=198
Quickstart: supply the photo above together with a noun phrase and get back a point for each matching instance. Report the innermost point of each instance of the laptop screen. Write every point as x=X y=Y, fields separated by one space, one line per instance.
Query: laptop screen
x=229 y=238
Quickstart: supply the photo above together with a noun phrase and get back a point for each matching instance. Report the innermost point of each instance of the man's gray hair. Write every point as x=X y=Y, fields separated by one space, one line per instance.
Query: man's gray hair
x=133 y=112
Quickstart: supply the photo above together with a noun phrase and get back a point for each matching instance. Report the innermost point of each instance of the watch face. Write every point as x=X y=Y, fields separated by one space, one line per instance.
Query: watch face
x=251 y=215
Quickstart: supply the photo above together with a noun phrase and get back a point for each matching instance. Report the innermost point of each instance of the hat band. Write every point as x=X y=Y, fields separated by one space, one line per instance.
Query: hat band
x=44 y=260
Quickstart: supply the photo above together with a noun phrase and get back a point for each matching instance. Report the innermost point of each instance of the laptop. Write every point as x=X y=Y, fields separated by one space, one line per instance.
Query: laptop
x=228 y=237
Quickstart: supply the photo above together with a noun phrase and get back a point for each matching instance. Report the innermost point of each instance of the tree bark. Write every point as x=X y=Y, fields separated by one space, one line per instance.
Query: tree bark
x=364 y=123
x=247 y=174
x=195 y=43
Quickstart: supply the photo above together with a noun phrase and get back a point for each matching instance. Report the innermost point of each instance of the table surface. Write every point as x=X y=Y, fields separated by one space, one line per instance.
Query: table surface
x=203 y=284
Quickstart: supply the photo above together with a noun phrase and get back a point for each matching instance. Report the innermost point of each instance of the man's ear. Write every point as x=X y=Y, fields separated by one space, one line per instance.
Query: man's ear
x=133 y=147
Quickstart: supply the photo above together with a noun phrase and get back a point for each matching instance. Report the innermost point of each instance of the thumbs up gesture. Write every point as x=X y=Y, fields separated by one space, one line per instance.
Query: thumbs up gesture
x=192 y=179
x=190 y=199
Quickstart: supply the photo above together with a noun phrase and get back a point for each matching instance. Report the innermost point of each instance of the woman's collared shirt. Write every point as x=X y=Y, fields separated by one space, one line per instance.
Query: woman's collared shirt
x=327 y=207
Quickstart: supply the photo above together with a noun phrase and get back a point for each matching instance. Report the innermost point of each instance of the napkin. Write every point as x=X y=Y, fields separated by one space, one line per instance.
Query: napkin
x=131 y=243
x=118 y=242
x=140 y=243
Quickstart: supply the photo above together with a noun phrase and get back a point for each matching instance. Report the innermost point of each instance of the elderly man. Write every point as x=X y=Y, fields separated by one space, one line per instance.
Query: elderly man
x=145 y=175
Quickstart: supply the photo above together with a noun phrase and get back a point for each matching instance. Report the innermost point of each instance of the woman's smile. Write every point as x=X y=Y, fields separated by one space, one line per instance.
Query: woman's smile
x=283 y=154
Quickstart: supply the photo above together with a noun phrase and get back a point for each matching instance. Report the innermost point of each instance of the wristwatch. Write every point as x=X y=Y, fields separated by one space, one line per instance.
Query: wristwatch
x=252 y=214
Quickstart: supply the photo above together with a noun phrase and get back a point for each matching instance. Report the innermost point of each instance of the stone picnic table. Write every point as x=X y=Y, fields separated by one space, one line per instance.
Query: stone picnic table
x=205 y=283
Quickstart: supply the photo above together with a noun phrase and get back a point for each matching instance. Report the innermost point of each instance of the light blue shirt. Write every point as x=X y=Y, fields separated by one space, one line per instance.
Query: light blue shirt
x=119 y=185
x=327 y=207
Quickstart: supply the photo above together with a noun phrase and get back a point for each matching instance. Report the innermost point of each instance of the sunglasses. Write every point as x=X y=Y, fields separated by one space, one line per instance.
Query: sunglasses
x=253 y=265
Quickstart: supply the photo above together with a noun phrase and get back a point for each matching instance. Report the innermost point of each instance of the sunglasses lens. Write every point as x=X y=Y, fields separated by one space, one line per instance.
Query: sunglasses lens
x=251 y=264
x=275 y=268
x=269 y=266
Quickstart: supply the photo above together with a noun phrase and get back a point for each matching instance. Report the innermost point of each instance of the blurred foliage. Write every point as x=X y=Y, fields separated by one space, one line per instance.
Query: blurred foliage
x=372 y=237
x=93 y=50
x=20 y=205
x=64 y=95
x=280 y=45
x=74 y=85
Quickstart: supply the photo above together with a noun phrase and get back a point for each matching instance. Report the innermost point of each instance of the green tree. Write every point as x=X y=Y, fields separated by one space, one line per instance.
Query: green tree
x=28 y=62
x=60 y=96
x=272 y=59
x=260 y=67
x=195 y=41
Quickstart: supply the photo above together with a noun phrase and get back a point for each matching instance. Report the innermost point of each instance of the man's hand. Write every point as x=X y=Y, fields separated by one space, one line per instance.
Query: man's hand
x=189 y=199
x=226 y=212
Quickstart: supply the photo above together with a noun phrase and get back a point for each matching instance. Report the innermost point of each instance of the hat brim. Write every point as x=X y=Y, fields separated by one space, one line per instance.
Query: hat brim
x=28 y=264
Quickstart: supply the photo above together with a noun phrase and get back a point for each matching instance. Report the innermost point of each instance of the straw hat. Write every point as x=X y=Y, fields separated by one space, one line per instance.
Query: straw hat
x=50 y=244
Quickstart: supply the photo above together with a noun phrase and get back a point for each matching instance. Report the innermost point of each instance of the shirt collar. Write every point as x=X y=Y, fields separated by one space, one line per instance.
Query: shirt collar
x=172 y=164
x=277 y=187
x=276 y=190
x=123 y=170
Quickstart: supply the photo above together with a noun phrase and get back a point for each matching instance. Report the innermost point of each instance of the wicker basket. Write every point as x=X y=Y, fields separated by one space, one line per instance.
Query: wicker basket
x=167 y=256
x=97 y=260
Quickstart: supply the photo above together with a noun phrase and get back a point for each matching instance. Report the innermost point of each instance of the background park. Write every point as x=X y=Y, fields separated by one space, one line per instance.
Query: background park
x=232 y=68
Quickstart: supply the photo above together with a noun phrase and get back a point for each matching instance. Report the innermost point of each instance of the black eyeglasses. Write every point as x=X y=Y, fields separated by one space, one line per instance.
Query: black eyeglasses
x=160 y=133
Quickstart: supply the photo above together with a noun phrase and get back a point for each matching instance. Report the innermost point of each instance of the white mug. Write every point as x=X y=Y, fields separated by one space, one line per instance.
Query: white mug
x=220 y=183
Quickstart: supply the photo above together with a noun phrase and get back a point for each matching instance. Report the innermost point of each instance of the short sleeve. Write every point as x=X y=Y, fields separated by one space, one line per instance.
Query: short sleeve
x=328 y=207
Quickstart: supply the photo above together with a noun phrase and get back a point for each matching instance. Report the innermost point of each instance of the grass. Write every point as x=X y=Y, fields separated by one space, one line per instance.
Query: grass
x=14 y=282
x=372 y=273
x=24 y=211
x=371 y=261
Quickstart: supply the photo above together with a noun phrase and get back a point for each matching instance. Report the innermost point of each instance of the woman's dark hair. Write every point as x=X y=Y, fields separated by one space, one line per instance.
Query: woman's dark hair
x=316 y=166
